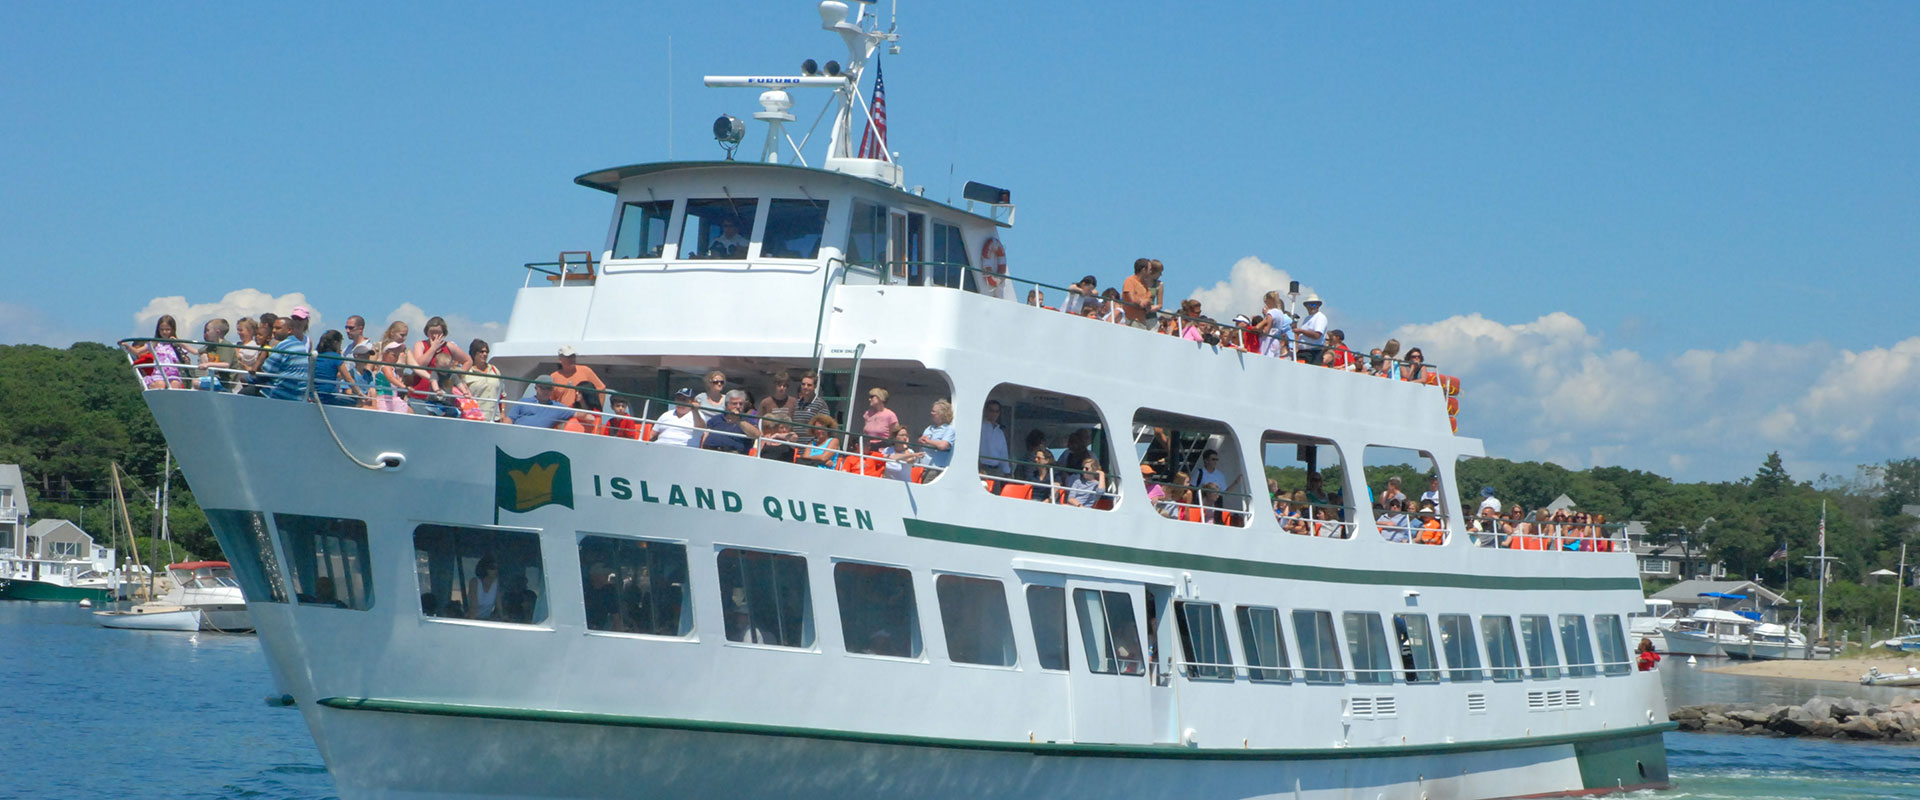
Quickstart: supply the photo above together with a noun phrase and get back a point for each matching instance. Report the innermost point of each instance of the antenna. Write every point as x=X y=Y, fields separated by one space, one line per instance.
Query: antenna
x=669 y=97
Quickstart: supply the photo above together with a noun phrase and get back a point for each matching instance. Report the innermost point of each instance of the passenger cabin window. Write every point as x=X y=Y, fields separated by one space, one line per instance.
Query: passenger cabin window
x=1537 y=633
x=1613 y=644
x=1047 y=610
x=794 y=228
x=1304 y=485
x=877 y=613
x=1319 y=647
x=1578 y=646
x=329 y=560
x=951 y=263
x=1264 y=644
x=244 y=538
x=480 y=574
x=1198 y=474
x=867 y=234
x=1463 y=653
x=643 y=229
x=1416 y=648
x=1503 y=654
x=635 y=586
x=1367 y=642
x=974 y=616
x=1203 y=638
x=1046 y=447
x=1108 y=632
x=1404 y=487
x=765 y=598
x=717 y=229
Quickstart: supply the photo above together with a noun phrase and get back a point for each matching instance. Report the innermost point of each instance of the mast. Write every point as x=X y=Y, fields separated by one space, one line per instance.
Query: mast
x=120 y=497
x=1823 y=571
x=1899 y=583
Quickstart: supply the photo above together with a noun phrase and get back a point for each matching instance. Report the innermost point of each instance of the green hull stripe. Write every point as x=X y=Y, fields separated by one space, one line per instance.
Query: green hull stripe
x=1033 y=748
x=21 y=589
x=958 y=534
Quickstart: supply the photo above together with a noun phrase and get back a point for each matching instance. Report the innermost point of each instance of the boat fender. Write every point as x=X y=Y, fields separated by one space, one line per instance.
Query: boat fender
x=993 y=262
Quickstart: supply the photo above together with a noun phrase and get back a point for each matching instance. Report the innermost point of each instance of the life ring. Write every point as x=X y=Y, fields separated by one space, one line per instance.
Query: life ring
x=993 y=263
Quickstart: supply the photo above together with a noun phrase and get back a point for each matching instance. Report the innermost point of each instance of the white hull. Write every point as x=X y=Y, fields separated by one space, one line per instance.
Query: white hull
x=1681 y=643
x=181 y=619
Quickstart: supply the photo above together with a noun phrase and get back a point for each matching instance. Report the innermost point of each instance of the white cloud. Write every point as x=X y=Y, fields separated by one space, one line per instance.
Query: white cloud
x=1551 y=389
x=192 y=317
x=24 y=324
x=461 y=329
x=1247 y=282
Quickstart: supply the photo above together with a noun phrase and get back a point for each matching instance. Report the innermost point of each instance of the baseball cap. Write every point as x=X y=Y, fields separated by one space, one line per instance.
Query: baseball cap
x=300 y=312
x=566 y=349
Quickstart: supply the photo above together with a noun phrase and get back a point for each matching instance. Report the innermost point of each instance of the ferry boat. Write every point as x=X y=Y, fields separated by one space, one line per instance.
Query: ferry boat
x=462 y=607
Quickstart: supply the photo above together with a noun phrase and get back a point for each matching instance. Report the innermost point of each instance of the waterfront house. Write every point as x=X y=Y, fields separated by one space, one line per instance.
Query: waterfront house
x=13 y=510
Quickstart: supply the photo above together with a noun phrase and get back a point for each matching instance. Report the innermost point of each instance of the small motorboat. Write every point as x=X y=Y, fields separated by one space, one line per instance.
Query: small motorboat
x=1875 y=678
x=204 y=597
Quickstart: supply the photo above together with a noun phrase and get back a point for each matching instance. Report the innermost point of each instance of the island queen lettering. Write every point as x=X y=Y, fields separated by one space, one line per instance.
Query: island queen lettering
x=524 y=484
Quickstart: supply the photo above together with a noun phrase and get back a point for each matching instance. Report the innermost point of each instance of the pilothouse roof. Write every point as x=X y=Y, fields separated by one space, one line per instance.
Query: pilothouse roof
x=608 y=180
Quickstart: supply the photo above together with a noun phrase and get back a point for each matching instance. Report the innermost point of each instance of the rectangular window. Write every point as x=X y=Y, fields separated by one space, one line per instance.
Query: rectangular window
x=1613 y=644
x=877 y=613
x=329 y=560
x=974 y=616
x=480 y=573
x=1578 y=646
x=1656 y=566
x=1108 y=632
x=1536 y=632
x=1319 y=648
x=1463 y=654
x=867 y=234
x=643 y=229
x=635 y=586
x=1203 y=637
x=766 y=598
x=950 y=259
x=1265 y=645
x=1367 y=643
x=243 y=536
x=1503 y=655
x=1416 y=648
x=717 y=228
x=794 y=228
x=1047 y=610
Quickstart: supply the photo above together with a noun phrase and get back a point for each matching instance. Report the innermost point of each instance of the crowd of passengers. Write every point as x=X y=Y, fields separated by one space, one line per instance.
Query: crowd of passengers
x=1317 y=512
x=1140 y=302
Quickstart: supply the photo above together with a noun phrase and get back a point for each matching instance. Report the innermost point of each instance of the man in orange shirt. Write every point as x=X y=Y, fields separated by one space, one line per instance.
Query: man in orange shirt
x=569 y=374
x=1136 y=299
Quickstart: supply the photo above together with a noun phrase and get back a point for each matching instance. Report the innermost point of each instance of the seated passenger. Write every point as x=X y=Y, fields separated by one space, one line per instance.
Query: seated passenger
x=1432 y=529
x=1084 y=488
x=386 y=391
x=164 y=359
x=1392 y=523
x=822 y=443
x=540 y=412
x=1416 y=370
x=586 y=414
x=1212 y=509
x=681 y=424
x=621 y=423
x=1337 y=355
x=1112 y=310
x=1038 y=299
x=286 y=365
x=332 y=380
x=900 y=456
x=1041 y=475
x=1325 y=525
x=938 y=439
x=732 y=431
x=777 y=440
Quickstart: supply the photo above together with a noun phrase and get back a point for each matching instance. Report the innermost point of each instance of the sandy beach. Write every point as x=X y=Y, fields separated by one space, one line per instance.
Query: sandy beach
x=1845 y=670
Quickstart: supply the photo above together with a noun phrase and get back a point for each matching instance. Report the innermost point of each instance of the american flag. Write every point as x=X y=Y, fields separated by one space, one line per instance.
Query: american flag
x=1779 y=554
x=873 y=143
x=1823 y=529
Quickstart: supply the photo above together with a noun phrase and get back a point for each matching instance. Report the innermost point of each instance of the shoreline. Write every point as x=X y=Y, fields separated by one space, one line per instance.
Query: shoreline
x=1839 y=670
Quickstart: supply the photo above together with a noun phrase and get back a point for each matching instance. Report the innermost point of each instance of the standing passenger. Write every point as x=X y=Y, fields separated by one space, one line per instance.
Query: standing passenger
x=1312 y=332
x=483 y=383
x=993 y=443
x=571 y=374
x=878 y=421
x=938 y=439
x=1137 y=297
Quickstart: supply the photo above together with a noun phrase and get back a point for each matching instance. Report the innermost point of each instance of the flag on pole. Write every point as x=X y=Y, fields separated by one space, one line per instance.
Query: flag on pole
x=1823 y=529
x=873 y=143
x=1779 y=555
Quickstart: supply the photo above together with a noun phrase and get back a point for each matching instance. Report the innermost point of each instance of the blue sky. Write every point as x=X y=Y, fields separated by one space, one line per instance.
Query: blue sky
x=1701 y=189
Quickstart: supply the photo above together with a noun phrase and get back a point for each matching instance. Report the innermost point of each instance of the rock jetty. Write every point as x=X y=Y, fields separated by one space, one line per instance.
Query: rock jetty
x=1822 y=717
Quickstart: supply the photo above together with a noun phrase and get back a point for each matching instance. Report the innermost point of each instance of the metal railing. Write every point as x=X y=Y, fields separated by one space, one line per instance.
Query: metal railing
x=1584 y=537
x=1395 y=675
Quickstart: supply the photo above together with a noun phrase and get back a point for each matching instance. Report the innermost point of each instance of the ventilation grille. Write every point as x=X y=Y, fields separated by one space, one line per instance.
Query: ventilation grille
x=1553 y=699
x=1374 y=707
x=1476 y=703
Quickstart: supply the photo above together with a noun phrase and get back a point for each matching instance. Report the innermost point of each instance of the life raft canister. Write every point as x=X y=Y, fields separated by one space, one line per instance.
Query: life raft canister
x=993 y=263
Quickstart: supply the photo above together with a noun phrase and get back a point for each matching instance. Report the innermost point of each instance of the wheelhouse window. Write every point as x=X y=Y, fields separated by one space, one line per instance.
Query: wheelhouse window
x=877 y=613
x=950 y=259
x=480 y=573
x=1046 y=447
x=1198 y=474
x=243 y=536
x=867 y=234
x=1319 y=647
x=643 y=229
x=1463 y=653
x=1265 y=645
x=329 y=560
x=1613 y=644
x=717 y=228
x=974 y=616
x=1367 y=642
x=1109 y=633
x=635 y=586
x=1303 y=485
x=1047 y=611
x=1404 y=488
x=1578 y=646
x=1537 y=633
x=766 y=598
x=1203 y=638
x=1416 y=648
x=1503 y=654
x=794 y=228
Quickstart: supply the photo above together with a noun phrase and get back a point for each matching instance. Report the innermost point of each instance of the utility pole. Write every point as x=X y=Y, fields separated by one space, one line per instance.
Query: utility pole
x=1899 y=583
x=1821 y=574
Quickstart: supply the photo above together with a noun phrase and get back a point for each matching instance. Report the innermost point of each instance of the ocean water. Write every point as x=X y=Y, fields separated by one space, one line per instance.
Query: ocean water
x=93 y=712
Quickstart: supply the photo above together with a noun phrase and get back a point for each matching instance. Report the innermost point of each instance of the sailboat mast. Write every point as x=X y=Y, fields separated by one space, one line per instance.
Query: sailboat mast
x=120 y=498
